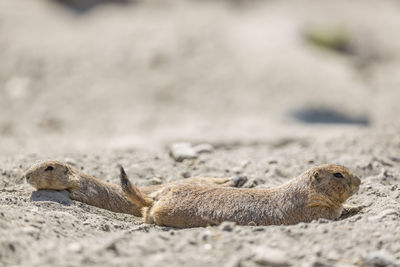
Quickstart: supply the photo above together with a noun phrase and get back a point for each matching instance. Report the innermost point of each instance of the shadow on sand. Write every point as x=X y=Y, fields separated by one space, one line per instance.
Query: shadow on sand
x=61 y=197
x=327 y=116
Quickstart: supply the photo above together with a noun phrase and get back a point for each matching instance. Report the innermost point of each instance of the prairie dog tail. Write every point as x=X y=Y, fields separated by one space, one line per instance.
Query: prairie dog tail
x=133 y=193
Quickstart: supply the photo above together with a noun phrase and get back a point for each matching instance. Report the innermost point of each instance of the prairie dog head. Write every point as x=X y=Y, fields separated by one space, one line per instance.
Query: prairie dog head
x=51 y=174
x=334 y=181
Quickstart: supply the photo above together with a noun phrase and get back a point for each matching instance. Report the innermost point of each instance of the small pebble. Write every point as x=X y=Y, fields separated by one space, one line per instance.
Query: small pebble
x=182 y=150
x=156 y=180
x=244 y=164
x=105 y=227
x=185 y=174
x=380 y=258
x=333 y=255
x=227 y=226
x=205 y=235
x=11 y=247
x=265 y=256
x=112 y=247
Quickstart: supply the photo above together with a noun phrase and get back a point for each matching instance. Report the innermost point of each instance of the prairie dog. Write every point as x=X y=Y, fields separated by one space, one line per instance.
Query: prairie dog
x=319 y=192
x=57 y=175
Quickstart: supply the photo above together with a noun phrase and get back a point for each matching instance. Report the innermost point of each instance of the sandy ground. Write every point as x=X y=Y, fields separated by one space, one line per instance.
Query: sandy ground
x=120 y=83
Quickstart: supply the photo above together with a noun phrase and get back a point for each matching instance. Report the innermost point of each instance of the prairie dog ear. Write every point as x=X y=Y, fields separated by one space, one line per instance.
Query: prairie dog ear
x=315 y=177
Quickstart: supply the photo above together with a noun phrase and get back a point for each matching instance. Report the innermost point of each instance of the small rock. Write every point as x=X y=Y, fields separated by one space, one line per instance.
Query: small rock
x=317 y=250
x=105 y=227
x=156 y=180
x=239 y=181
x=227 y=226
x=11 y=247
x=203 y=148
x=266 y=256
x=380 y=258
x=237 y=170
x=205 y=235
x=244 y=164
x=185 y=174
x=181 y=151
x=368 y=186
x=333 y=255
x=192 y=242
x=113 y=247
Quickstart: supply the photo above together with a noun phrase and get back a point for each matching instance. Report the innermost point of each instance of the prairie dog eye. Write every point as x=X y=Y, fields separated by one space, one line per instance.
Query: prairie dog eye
x=49 y=168
x=338 y=175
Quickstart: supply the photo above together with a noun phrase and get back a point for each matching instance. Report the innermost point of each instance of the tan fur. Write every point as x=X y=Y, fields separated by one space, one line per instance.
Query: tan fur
x=85 y=188
x=315 y=194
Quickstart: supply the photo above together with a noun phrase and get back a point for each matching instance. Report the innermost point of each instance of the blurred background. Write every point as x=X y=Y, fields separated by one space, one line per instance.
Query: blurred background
x=86 y=74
